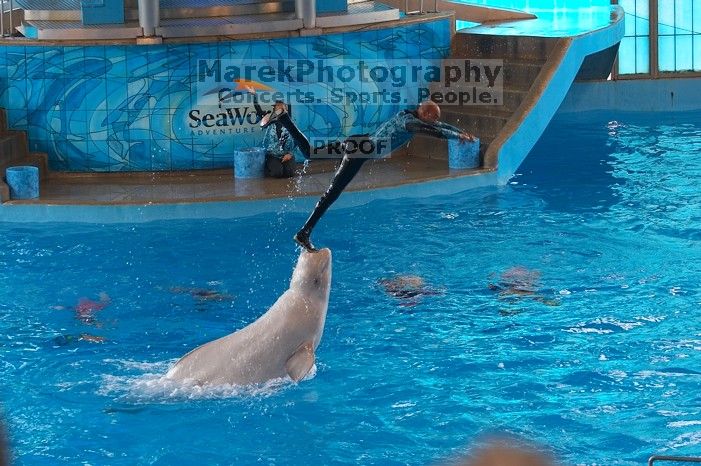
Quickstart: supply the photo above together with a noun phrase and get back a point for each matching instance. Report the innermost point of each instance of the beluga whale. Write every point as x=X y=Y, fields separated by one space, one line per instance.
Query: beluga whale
x=280 y=343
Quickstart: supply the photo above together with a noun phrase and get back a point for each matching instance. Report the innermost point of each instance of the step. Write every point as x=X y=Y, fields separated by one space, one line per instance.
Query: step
x=511 y=100
x=369 y=12
x=487 y=46
x=13 y=146
x=498 y=111
x=484 y=144
x=437 y=149
x=520 y=74
x=4 y=190
x=480 y=125
x=40 y=160
x=69 y=10
x=176 y=9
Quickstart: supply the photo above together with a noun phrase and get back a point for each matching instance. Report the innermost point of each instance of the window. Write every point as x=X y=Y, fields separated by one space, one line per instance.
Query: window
x=679 y=29
x=634 y=51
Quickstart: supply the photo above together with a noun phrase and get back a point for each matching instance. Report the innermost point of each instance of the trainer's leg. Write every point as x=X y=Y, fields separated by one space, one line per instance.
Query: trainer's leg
x=273 y=166
x=345 y=173
x=297 y=135
x=288 y=168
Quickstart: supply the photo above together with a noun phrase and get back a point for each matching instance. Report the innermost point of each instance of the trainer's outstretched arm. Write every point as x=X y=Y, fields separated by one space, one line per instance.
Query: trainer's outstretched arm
x=439 y=130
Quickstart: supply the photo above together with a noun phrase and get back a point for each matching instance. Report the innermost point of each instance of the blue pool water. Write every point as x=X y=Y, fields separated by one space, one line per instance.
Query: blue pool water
x=603 y=366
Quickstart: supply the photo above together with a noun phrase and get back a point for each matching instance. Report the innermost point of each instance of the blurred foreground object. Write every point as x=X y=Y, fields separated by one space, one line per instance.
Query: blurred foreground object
x=506 y=454
x=4 y=454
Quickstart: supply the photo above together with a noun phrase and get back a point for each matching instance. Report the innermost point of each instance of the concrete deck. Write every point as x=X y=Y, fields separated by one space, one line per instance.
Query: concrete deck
x=220 y=185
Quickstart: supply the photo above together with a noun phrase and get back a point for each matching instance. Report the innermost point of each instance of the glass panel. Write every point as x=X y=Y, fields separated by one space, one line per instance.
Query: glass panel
x=642 y=55
x=682 y=16
x=697 y=52
x=665 y=30
x=666 y=53
x=642 y=26
x=627 y=5
x=642 y=8
x=684 y=55
x=665 y=12
x=697 y=16
x=626 y=56
x=629 y=8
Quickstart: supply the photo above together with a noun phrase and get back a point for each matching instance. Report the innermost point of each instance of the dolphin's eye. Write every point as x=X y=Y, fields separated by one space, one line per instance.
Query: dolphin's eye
x=316 y=281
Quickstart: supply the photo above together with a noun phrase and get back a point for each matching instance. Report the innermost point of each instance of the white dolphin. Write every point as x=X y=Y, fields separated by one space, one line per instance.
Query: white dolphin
x=282 y=342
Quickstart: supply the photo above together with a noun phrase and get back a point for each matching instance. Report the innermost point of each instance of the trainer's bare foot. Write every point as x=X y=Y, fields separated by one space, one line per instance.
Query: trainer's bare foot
x=302 y=239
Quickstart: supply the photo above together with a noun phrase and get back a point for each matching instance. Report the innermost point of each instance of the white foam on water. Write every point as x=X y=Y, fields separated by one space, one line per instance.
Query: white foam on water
x=683 y=423
x=592 y=327
x=686 y=440
x=149 y=385
x=588 y=330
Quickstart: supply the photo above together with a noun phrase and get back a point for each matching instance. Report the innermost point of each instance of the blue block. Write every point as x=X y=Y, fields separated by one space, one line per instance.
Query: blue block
x=249 y=163
x=102 y=11
x=331 y=6
x=23 y=182
x=463 y=155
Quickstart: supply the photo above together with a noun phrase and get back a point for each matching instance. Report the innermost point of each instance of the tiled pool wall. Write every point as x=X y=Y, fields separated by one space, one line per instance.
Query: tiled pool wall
x=118 y=108
x=634 y=95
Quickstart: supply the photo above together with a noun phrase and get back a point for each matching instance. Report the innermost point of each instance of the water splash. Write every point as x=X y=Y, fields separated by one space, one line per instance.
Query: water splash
x=149 y=385
x=298 y=178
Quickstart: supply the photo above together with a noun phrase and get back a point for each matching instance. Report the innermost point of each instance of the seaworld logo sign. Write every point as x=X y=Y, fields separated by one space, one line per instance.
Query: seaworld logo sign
x=231 y=120
x=228 y=109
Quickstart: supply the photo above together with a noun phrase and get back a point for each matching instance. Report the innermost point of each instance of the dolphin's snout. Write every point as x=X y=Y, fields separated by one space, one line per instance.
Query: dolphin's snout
x=324 y=254
x=315 y=263
x=319 y=257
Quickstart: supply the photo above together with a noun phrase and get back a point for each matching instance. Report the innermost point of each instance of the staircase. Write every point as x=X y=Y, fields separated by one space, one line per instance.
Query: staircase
x=69 y=10
x=14 y=150
x=524 y=61
x=61 y=19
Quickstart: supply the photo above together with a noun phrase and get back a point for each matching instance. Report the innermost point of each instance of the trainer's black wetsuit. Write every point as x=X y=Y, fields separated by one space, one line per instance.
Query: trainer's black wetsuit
x=277 y=142
x=398 y=130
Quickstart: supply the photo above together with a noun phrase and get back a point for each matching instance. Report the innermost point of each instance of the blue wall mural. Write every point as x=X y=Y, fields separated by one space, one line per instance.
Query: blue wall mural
x=125 y=108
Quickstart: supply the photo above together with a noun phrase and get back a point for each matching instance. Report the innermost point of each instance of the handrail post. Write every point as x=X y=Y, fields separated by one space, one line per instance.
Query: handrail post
x=2 y=18
x=306 y=11
x=12 y=26
x=149 y=16
x=413 y=12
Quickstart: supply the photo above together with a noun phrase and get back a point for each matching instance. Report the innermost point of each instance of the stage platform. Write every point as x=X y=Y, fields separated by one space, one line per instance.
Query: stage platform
x=220 y=185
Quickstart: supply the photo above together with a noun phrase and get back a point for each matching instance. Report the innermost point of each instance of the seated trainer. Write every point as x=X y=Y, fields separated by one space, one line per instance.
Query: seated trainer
x=277 y=142
x=398 y=130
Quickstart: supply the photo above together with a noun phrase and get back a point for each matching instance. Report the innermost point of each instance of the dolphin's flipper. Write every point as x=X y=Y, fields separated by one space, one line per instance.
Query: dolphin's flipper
x=301 y=362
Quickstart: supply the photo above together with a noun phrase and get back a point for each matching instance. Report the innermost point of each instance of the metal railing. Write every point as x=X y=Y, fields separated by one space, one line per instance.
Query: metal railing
x=9 y=15
x=676 y=459
x=306 y=11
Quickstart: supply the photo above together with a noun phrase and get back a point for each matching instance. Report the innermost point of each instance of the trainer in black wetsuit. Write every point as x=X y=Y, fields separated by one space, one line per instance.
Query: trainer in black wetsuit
x=279 y=145
x=398 y=131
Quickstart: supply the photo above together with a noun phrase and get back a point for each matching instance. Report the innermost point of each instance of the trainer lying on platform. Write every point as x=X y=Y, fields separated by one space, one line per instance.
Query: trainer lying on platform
x=398 y=130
